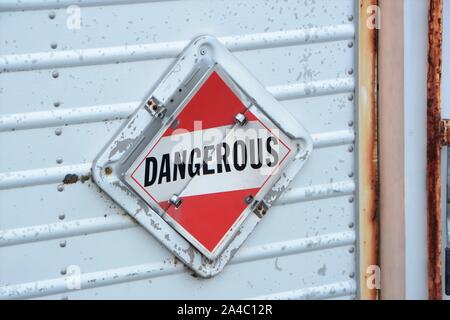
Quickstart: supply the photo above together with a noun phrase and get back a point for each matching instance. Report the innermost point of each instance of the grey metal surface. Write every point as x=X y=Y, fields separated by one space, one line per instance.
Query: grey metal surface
x=60 y=106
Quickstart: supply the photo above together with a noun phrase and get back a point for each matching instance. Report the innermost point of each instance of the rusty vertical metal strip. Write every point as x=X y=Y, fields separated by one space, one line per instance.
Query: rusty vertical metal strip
x=367 y=151
x=434 y=149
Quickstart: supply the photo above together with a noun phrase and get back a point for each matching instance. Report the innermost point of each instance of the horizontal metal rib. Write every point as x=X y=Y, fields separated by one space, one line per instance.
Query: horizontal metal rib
x=322 y=191
x=17 y=179
x=332 y=290
x=60 y=117
x=164 y=50
x=146 y=271
x=14 y=5
x=333 y=138
x=65 y=229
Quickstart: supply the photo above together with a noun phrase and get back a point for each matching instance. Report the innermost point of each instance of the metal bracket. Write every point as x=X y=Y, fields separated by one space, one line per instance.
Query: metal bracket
x=260 y=208
x=155 y=108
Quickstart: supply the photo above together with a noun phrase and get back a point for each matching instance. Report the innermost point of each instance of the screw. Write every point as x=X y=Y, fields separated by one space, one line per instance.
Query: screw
x=241 y=119
x=176 y=200
x=249 y=199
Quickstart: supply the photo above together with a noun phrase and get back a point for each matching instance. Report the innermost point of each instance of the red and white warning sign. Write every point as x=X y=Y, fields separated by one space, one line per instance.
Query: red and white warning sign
x=210 y=164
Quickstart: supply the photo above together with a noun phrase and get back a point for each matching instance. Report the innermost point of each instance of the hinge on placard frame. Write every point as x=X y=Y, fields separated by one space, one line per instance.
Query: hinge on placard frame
x=155 y=108
x=260 y=208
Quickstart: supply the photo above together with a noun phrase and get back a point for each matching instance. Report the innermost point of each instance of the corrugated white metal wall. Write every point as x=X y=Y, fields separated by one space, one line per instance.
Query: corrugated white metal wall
x=66 y=88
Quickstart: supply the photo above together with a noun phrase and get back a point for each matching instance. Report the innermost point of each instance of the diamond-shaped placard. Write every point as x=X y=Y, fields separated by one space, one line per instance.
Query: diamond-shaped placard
x=203 y=159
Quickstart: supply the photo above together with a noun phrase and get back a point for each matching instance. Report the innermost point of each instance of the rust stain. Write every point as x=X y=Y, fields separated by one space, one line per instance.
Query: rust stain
x=70 y=178
x=367 y=143
x=445 y=132
x=74 y=178
x=434 y=140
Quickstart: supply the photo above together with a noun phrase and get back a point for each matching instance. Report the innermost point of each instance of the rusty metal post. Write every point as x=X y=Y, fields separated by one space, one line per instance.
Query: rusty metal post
x=367 y=151
x=434 y=149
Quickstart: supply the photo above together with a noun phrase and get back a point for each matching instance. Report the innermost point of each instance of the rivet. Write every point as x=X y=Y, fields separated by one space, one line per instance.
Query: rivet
x=350 y=18
x=56 y=104
x=59 y=160
x=351 y=275
x=351 y=200
x=63 y=271
x=351 y=175
x=55 y=74
x=58 y=131
x=350 y=97
x=351 y=249
x=351 y=225
x=52 y=15
x=350 y=71
x=351 y=148
x=53 y=45
x=108 y=170
x=350 y=44
x=351 y=123
x=60 y=187
x=241 y=119
x=62 y=243
x=175 y=200
x=249 y=199
x=62 y=216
